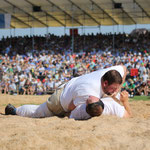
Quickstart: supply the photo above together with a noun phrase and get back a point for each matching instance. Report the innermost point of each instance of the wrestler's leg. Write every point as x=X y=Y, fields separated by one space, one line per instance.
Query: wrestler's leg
x=34 y=111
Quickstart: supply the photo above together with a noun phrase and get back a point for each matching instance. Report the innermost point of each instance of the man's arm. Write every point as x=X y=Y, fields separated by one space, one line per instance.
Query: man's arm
x=125 y=73
x=71 y=106
x=123 y=80
x=124 y=99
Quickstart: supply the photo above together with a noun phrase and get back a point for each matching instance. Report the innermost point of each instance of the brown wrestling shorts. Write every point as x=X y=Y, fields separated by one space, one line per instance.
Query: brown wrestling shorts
x=53 y=103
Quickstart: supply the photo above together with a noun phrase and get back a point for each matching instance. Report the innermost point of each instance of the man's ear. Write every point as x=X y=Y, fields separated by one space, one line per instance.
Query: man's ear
x=105 y=83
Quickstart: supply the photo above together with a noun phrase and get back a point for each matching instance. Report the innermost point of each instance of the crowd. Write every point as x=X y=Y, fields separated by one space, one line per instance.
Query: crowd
x=40 y=67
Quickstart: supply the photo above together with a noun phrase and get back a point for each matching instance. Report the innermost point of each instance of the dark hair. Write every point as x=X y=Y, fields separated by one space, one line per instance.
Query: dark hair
x=95 y=109
x=112 y=76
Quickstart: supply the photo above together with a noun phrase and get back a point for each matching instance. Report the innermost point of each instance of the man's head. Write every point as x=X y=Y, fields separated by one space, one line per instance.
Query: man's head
x=94 y=106
x=111 y=82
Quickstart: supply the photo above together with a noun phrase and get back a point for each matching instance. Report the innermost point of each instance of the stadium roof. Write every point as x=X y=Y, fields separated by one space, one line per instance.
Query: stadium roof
x=56 y=13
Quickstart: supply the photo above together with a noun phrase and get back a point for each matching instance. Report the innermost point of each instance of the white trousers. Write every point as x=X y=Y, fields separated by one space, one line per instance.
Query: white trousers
x=34 y=111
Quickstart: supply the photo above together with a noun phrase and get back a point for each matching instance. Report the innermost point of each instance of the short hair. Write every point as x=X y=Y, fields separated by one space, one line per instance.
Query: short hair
x=112 y=76
x=95 y=109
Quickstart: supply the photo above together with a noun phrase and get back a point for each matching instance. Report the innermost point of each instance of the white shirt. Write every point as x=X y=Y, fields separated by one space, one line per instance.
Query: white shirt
x=12 y=87
x=145 y=77
x=80 y=88
x=22 y=83
x=111 y=107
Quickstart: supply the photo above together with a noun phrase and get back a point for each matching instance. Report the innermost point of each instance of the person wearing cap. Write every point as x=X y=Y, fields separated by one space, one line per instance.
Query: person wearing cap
x=76 y=91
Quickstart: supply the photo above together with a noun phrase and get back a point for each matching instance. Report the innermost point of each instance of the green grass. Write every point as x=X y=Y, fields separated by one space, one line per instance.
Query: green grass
x=138 y=98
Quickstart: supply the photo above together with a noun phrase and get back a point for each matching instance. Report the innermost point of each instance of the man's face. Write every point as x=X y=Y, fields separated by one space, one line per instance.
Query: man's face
x=110 y=89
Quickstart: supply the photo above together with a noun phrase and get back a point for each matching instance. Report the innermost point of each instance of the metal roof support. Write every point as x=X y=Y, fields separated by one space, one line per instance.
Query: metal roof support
x=64 y=12
x=129 y=16
x=104 y=12
x=72 y=35
x=25 y=12
x=47 y=14
x=65 y=26
x=84 y=37
x=141 y=8
x=15 y=18
x=126 y=13
x=32 y=35
x=84 y=12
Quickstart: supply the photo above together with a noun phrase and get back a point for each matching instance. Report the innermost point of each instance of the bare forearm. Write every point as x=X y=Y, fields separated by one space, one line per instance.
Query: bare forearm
x=123 y=78
x=71 y=106
x=125 y=73
x=127 y=108
x=124 y=99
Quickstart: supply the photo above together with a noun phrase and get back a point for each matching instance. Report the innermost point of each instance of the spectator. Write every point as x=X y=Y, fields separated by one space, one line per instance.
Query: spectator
x=27 y=87
x=12 y=88
x=131 y=88
x=145 y=77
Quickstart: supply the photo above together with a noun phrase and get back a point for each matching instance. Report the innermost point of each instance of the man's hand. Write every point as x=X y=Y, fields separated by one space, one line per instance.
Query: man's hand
x=124 y=99
x=124 y=96
x=115 y=93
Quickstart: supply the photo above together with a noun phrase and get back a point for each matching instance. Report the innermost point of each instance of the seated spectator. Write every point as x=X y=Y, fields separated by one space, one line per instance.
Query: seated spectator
x=145 y=77
x=21 y=85
x=57 y=83
x=40 y=88
x=125 y=86
x=33 y=88
x=50 y=86
x=12 y=88
x=131 y=88
x=2 y=86
x=143 y=89
x=148 y=88
x=6 y=86
x=27 y=87
x=137 y=83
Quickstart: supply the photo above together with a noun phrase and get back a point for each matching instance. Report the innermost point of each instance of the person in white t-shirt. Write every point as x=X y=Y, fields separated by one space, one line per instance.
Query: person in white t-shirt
x=105 y=106
x=76 y=92
x=145 y=77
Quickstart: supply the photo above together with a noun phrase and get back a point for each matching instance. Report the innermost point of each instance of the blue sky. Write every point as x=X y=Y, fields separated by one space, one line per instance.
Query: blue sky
x=61 y=30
